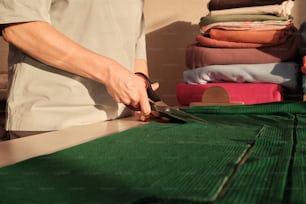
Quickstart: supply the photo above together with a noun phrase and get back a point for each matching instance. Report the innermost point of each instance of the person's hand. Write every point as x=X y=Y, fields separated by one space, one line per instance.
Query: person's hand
x=129 y=89
x=140 y=116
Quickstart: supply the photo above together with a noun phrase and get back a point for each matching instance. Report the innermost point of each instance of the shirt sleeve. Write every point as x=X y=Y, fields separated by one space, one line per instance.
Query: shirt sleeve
x=141 y=43
x=16 y=11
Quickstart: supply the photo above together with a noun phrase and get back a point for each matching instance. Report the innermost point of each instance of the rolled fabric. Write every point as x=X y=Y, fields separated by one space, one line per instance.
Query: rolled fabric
x=283 y=9
x=199 y=56
x=228 y=4
x=206 y=20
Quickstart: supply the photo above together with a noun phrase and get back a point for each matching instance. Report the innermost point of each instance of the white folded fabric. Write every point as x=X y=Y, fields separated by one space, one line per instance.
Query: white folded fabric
x=283 y=73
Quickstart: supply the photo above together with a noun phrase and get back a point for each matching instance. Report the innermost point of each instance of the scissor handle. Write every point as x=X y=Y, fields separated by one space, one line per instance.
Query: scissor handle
x=151 y=93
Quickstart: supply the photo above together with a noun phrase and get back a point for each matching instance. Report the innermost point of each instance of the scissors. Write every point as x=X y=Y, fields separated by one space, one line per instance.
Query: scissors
x=165 y=110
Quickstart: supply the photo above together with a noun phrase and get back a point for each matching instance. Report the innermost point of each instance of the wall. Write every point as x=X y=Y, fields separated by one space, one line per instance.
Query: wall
x=170 y=25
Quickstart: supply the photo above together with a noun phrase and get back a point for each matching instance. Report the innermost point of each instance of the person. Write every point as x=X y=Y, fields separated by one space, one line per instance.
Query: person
x=71 y=62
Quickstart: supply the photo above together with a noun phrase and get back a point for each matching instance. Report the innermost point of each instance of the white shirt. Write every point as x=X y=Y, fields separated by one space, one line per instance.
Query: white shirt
x=43 y=98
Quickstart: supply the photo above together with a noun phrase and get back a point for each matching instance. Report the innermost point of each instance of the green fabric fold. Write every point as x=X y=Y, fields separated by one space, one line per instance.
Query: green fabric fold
x=243 y=154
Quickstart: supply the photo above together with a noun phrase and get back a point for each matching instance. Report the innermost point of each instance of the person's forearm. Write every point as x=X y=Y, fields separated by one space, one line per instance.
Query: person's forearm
x=141 y=66
x=41 y=41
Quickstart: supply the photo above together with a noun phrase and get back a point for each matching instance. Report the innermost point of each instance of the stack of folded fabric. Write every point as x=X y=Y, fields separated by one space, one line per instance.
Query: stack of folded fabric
x=245 y=46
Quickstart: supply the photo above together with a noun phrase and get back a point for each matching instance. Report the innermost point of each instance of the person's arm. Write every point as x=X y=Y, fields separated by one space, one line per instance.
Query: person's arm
x=41 y=41
x=141 y=66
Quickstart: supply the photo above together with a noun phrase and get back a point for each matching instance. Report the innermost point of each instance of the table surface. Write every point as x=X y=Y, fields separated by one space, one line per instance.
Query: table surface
x=13 y=151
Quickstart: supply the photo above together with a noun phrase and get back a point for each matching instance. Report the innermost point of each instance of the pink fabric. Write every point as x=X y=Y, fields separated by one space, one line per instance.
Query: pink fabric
x=248 y=93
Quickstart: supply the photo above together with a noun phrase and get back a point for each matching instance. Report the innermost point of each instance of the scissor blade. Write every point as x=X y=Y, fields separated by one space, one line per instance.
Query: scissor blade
x=175 y=113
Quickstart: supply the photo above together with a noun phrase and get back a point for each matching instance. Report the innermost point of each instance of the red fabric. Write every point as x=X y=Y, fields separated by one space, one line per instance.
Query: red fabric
x=248 y=93
x=303 y=68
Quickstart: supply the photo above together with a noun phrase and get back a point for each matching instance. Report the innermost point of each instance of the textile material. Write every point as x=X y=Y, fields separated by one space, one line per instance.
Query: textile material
x=270 y=158
x=298 y=179
x=283 y=73
x=252 y=36
x=303 y=68
x=206 y=20
x=153 y=161
x=250 y=25
x=215 y=43
x=248 y=93
x=199 y=56
x=283 y=9
x=224 y=4
x=176 y=163
x=304 y=83
x=100 y=26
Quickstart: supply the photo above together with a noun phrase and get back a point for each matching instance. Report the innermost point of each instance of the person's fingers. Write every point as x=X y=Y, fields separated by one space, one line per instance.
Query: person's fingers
x=140 y=116
x=155 y=86
x=144 y=104
x=155 y=114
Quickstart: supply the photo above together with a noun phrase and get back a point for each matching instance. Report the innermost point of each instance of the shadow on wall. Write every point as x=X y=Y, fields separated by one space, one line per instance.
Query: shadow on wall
x=166 y=56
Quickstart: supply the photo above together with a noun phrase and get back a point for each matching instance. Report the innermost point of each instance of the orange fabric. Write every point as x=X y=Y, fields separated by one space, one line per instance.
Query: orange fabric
x=251 y=36
x=303 y=68
x=209 y=42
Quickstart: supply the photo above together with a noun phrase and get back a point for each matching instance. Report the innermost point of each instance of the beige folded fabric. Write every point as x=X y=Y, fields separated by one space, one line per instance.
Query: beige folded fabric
x=206 y=20
x=248 y=25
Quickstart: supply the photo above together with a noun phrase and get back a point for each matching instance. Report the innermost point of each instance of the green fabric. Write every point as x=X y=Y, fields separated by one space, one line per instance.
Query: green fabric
x=263 y=177
x=153 y=161
x=243 y=154
x=297 y=179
